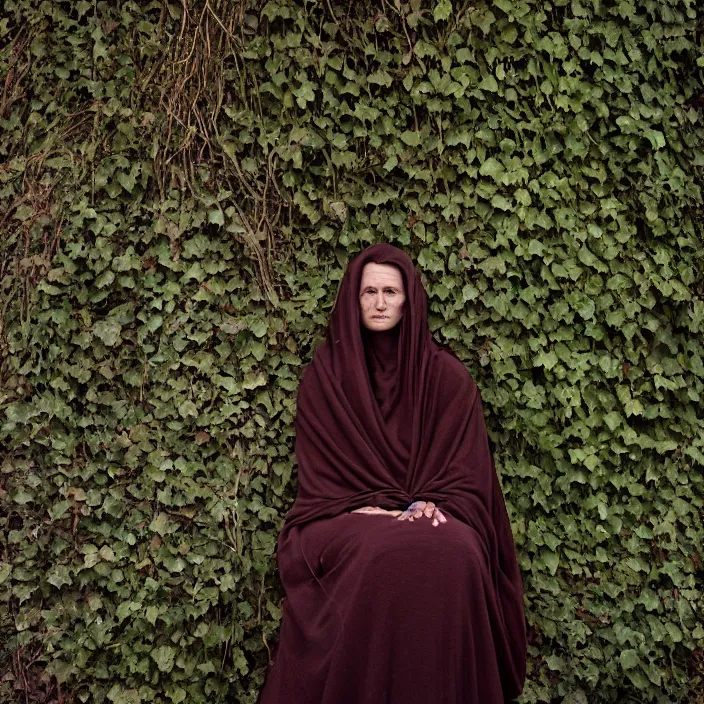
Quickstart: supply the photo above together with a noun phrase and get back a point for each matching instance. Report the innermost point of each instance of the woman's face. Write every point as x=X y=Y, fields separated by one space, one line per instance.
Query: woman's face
x=381 y=296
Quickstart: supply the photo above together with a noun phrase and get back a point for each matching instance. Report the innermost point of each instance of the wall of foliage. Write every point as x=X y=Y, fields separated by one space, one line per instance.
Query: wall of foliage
x=181 y=187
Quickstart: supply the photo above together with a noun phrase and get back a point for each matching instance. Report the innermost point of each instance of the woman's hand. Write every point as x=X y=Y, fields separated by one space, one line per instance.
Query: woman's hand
x=376 y=511
x=419 y=509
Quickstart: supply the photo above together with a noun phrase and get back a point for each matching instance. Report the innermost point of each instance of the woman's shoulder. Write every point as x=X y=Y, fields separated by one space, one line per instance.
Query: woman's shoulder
x=452 y=373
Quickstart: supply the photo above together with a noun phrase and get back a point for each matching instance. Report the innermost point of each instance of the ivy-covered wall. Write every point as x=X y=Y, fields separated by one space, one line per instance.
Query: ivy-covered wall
x=181 y=186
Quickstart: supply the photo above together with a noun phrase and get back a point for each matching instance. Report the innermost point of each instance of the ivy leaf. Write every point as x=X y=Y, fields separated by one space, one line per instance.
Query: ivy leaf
x=176 y=694
x=216 y=216
x=489 y=83
x=259 y=327
x=442 y=11
x=613 y=420
x=161 y=524
x=380 y=77
x=59 y=509
x=23 y=212
x=188 y=408
x=633 y=407
x=491 y=167
x=119 y=695
x=58 y=576
x=656 y=138
x=411 y=138
x=551 y=561
x=109 y=331
x=629 y=658
x=127 y=180
x=501 y=202
x=164 y=657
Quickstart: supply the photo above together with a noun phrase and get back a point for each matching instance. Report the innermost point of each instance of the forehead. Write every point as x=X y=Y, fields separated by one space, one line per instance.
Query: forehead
x=381 y=275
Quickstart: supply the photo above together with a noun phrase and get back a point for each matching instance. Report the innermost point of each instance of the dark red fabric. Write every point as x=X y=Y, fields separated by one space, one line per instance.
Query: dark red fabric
x=378 y=610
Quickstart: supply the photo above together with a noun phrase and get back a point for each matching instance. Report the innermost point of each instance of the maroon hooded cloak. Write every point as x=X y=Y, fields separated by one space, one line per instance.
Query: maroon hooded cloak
x=381 y=611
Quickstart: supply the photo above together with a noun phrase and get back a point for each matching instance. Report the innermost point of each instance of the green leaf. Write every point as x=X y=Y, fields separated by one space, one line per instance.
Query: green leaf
x=127 y=180
x=656 y=138
x=176 y=694
x=629 y=658
x=106 y=553
x=613 y=420
x=119 y=695
x=23 y=212
x=164 y=657
x=633 y=407
x=411 y=138
x=380 y=77
x=483 y=19
x=500 y=202
x=188 y=408
x=442 y=10
x=491 y=167
x=59 y=509
x=259 y=328
x=109 y=331
x=489 y=83
x=154 y=323
x=551 y=561
x=22 y=497
x=216 y=216
x=546 y=359
x=58 y=576
x=160 y=524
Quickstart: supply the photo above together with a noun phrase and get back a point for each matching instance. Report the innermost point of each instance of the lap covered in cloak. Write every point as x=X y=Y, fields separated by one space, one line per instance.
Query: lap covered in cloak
x=380 y=611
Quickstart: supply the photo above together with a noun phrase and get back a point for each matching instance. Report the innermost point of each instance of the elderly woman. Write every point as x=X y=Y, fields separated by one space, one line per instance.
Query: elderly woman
x=397 y=557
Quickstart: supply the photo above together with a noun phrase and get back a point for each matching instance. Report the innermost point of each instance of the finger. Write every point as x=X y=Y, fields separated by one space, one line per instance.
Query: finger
x=429 y=509
x=441 y=517
x=435 y=522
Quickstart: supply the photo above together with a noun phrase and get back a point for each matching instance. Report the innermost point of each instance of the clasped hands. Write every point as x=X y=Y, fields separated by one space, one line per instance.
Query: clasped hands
x=418 y=509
